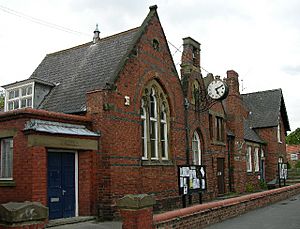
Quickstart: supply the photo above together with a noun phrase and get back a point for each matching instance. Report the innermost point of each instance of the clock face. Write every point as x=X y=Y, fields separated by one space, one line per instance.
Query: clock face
x=217 y=89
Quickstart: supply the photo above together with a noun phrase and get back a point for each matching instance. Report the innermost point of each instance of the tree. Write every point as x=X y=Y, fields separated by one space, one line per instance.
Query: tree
x=294 y=137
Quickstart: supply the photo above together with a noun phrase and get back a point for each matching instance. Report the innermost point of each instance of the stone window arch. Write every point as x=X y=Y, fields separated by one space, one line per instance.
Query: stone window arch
x=155 y=123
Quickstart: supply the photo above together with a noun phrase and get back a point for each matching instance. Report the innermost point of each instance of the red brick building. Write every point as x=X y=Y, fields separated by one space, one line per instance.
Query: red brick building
x=112 y=117
x=293 y=154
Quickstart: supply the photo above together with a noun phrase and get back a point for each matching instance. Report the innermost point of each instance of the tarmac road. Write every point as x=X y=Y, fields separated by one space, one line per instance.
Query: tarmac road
x=281 y=215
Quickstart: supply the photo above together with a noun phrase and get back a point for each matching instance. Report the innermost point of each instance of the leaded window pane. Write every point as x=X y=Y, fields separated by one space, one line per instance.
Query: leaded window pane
x=23 y=103
x=16 y=104
x=6 y=158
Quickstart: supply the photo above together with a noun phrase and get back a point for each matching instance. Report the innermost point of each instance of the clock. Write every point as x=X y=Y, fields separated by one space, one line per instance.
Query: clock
x=217 y=89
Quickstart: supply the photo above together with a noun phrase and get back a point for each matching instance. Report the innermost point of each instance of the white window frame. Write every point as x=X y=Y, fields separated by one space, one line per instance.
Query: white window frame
x=20 y=97
x=279 y=132
x=248 y=159
x=256 y=159
x=163 y=121
x=2 y=161
x=154 y=119
x=145 y=133
x=196 y=148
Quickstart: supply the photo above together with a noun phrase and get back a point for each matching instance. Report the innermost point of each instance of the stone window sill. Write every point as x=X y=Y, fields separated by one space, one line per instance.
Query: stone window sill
x=157 y=163
x=7 y=183
x=214 y=142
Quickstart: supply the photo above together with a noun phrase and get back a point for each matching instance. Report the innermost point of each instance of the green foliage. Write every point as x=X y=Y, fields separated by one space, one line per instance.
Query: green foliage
x=297 y=165
x=1 y=102
x=263 y=185
x=294 y=137
x=249 y=187
x=289 y=165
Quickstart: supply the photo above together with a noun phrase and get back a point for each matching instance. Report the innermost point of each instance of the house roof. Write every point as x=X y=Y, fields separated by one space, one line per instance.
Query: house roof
x=78 y=70
x=88 y=67
x=293 y=148
x=265 y=107
x=250 y=134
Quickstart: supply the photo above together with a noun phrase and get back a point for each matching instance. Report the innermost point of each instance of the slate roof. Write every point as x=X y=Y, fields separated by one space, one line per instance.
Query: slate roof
x=250 y=134
x=78 y=70
x=264 y=108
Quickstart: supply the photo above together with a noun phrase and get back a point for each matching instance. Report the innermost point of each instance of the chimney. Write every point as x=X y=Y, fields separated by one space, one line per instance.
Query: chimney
x=233 y=82
x=96 y=37
x=191 y=53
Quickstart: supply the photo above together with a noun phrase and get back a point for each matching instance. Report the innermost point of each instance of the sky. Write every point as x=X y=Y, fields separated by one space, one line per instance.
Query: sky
x=259 y=39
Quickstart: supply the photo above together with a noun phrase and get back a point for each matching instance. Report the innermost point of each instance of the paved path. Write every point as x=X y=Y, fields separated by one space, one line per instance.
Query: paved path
x=91 y=225
x=281 y=215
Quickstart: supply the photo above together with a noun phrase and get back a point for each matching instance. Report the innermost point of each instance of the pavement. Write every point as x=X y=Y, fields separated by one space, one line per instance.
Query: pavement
x=281 y=215
x=91 y=225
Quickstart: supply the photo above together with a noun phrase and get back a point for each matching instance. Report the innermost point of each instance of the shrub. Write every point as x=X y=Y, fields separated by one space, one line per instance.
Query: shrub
x=297 y=165
x=249 y=187
x=263 y=185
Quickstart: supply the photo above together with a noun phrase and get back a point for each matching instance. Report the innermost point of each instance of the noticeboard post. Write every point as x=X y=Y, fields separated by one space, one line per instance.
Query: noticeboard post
x=191 y=179
x=282 y=173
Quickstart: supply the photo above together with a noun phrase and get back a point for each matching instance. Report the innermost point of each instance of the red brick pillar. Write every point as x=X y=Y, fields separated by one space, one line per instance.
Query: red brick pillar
x=137 y=211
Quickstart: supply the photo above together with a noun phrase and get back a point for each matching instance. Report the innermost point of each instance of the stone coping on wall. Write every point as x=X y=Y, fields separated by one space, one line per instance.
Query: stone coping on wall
x=30 y=112
x=217 y=205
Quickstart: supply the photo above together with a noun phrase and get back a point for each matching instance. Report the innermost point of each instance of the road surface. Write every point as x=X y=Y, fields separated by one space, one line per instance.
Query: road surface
x=281 y=215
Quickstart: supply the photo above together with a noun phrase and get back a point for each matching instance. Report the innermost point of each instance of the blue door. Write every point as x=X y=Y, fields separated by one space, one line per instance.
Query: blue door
x=61 y=185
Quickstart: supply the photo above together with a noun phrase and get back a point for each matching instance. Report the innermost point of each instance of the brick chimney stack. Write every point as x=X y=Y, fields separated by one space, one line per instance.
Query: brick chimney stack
x=190 y=59
x=233 y=82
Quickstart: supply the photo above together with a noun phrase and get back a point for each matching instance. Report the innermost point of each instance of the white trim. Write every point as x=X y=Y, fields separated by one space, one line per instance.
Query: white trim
x=256 y=159
x=76 y=185
x=32 y=99
x=249 y=159
x=20 y=97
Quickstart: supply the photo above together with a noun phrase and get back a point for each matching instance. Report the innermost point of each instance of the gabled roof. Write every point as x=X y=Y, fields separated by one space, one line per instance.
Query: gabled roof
x=87 y=67
x=264 y=108
x=78 y=70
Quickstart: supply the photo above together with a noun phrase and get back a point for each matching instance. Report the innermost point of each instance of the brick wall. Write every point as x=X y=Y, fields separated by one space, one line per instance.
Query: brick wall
x=123 y=171
x=30 y=165
x=273 y=150
x=199 y=216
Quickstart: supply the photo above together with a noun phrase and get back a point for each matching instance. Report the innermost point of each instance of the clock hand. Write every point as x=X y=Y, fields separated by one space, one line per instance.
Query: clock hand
x=219 y=87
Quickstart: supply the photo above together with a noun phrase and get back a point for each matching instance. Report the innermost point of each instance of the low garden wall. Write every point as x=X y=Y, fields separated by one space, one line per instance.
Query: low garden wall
x=199 y=216
x=136 y=210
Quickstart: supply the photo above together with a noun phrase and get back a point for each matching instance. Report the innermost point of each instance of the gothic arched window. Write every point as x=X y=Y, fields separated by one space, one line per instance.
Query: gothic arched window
x=155 y=123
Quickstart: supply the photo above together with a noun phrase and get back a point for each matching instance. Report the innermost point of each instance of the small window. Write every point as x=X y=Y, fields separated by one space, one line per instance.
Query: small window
x=279 y=132
x=195 y=54
x=20 y=97
x=248 y=159
x=13 y=94
x=196 y=149
x=256 y=159
x=155 y=44
x=211 y=127
x=219 y=129
x=27 y=90
x=6 y=159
